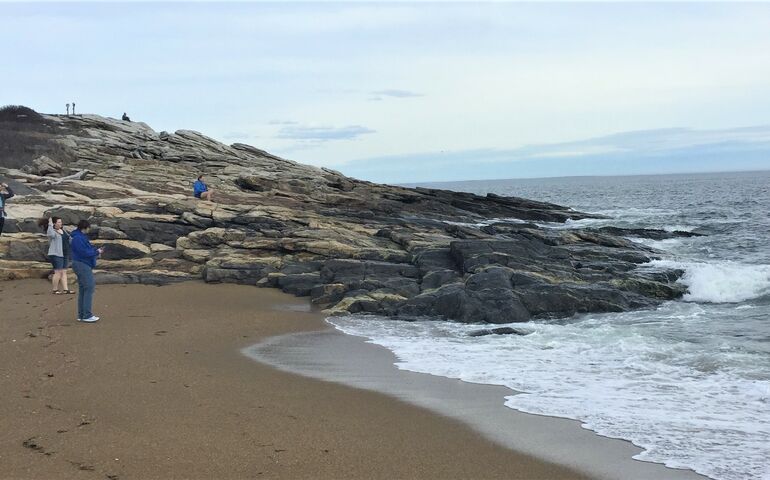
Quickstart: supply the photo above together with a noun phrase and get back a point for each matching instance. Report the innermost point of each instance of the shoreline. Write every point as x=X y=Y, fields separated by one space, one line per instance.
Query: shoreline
x=350 y=360
x=159 y=389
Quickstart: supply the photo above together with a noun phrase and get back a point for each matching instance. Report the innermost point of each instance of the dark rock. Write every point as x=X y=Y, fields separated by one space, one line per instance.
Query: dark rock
x=68 y=216
x=299 y=284
x=340 y=270
x=556 y=301
x=242 y=276
x=499 y=331
x=437 y=278
x=119 y=251
x=21 y=225
x=435 y=259
x=654 y=234
x=328 y=294
x=147 y=231
x=107 y=233
x=454 y=301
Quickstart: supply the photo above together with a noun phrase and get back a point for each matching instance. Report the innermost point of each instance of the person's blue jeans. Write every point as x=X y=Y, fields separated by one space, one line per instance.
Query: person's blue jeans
x=86 y=288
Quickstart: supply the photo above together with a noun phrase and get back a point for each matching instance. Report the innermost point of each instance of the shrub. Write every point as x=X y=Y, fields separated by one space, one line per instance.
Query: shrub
x=20 y=113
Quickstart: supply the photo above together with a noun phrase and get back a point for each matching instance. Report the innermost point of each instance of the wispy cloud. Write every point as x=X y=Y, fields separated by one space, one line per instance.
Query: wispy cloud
x=674 y=150
x=396 y=93
x=322 y=134
x=392 y=93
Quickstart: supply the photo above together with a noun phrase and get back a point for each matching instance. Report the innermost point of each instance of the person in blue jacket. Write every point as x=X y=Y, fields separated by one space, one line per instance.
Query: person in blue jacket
x=83 y=262
x=201 y=190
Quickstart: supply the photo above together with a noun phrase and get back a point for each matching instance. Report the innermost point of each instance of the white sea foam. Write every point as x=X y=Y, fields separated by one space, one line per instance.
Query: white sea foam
x=690 y=381
x=669 y=244
x=486 y=223
x=722 y=282
x=688 y=404
x=678 y=228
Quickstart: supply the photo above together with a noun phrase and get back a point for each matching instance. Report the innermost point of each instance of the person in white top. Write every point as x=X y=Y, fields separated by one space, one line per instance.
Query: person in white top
x=58 y=254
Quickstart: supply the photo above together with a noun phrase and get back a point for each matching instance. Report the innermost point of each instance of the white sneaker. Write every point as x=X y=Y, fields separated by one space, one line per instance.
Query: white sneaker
x=93 y=319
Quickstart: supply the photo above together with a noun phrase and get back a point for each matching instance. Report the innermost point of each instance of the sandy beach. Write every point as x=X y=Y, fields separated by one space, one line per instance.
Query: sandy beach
x=159 y=389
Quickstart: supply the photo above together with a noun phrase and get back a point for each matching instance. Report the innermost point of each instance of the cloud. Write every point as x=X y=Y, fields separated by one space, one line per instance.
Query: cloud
x=674 y=150
x=282 y=122
x=395 y=94
x=322 y=134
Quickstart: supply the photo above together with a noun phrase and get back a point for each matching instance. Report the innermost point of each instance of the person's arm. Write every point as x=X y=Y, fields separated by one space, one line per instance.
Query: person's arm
x=50 y=232
x=83 y=247
x=93 y=251
x=10 y=193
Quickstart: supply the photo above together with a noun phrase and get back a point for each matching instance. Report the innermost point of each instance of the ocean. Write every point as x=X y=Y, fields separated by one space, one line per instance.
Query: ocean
x=689 y=382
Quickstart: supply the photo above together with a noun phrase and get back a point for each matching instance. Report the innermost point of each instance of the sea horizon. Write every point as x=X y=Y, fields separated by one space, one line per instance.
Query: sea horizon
x=482 y=180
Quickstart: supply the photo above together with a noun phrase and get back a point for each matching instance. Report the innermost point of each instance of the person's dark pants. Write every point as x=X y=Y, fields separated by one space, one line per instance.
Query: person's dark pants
x=86 y=291
x=2 y=224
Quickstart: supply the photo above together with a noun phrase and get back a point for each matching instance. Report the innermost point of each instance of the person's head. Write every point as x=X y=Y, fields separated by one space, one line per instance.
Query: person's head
x=200 y=178
x=57 y=223
x=3 y=187
x=84 y=225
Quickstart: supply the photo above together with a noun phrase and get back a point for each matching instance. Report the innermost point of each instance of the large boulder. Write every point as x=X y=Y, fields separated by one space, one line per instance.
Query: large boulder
x=456 y=302
x=24 y=247
x=43 y=166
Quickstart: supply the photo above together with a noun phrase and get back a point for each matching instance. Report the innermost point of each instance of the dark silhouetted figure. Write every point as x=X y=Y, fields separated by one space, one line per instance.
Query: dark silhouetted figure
x=5 y=194
x=68 y=109
x=73 y=108
x=125 y=117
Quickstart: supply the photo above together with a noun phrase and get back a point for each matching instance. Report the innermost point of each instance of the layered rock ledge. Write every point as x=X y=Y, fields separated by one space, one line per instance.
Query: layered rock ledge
x=352 y=246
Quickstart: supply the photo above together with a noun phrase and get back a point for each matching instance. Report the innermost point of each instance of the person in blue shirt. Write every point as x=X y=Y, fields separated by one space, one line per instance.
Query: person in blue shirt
x=201 y=190
x=83 y=262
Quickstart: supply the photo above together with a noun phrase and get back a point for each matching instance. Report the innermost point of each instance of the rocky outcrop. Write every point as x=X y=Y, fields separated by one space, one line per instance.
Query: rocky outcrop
x=352 y=246
x=43 y=166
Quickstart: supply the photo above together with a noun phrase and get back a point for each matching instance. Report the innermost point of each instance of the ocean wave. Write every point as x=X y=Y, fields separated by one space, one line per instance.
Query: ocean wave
x=621 y=375
x=722 y=282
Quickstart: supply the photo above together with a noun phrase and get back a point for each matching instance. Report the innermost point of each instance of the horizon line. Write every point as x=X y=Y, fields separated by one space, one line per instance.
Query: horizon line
x=707 y=172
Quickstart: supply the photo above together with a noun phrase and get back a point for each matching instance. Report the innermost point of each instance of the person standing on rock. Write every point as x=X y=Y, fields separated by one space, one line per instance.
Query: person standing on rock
x=83 y=262
x=201 y=190
x=5 y=194
x=58 y=253
x=73 y=108
x=68 y=109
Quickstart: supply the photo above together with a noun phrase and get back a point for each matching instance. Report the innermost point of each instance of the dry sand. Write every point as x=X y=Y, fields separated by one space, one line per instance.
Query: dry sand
x=159 y=389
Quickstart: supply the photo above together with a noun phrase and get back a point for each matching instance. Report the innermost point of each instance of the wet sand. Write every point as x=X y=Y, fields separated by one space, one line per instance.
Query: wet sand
x=350 y=360
x=159 y=389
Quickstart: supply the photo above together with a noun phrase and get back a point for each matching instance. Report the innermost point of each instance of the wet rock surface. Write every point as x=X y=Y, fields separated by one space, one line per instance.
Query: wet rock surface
x=352 y=246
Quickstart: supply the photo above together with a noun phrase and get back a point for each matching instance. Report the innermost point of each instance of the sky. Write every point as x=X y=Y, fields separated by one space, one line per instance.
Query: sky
x=403 y=92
